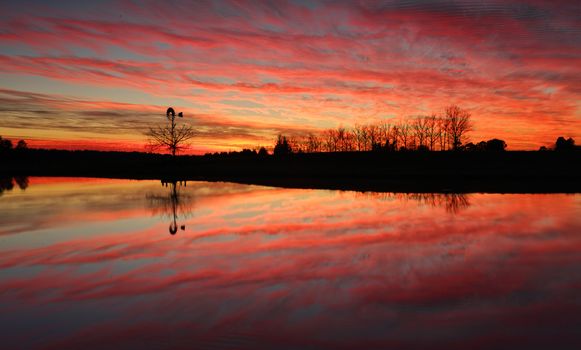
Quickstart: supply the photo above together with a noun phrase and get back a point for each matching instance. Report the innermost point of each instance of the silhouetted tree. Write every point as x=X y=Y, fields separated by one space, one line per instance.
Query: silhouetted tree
x=170 y=136
x=432 y=131
x=420 y=126
x=421 y=133
x=394 y=137
x=404 y=134
x=5 y=145
x=330 y=140
x=295 y=144
x=262 y=152
x=21 y=145
x=372 y=135
x=384 y=131
x=359 y=133
x=564 y=145
x=458 y=125
x=282 y=146
x=313 y=143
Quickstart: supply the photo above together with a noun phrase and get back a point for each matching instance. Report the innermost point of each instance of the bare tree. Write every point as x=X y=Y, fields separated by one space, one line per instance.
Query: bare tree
x=395 y=137
x=170 y=136
x=365 y=145
x=432 y=131
x=459 y=125
x=420 y=126
x=373 y=135
x=296 y=144
x=359 y=133
x=384 y=131
x=423 y=132
x=340 y=135
x=443 y=133
x=299 y=143
x=330 y=141
x=313 y=143
x=404 y=134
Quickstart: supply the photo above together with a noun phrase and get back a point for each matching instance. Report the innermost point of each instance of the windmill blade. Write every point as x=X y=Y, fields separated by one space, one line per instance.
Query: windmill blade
x=171 y=112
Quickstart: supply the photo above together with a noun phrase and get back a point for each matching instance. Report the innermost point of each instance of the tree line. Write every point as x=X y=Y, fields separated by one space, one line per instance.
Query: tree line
x=433 y=132
x=448 y=131
x=6 y=145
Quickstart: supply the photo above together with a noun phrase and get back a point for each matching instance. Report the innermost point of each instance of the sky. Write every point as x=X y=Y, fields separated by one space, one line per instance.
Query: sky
x=97 y=75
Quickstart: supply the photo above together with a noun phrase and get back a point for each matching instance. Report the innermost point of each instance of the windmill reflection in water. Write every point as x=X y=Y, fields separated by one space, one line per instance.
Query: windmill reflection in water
x=174 y=204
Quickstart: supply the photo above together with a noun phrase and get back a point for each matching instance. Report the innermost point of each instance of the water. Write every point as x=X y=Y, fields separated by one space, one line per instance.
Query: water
x=96 y=263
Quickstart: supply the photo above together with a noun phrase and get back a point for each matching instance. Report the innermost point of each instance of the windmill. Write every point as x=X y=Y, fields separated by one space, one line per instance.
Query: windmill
x=171 y=114
x=170 y=137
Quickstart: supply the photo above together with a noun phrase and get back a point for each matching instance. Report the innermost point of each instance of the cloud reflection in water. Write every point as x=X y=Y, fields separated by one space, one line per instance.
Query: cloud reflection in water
x=263 y=267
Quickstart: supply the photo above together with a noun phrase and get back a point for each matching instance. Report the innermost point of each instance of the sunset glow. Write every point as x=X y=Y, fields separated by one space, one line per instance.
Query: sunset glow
x=77 y=75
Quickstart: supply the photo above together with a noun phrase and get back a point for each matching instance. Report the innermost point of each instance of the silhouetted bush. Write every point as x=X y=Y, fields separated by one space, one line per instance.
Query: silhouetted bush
x=262 y=152
x=376 y=147
x=471 y=147
x=244 y=154
x=495 y=145
x=564 y=145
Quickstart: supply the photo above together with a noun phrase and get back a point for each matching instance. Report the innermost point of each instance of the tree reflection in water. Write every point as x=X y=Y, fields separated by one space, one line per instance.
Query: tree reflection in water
x=7 y=183
x=452 y=202
x=174 y=204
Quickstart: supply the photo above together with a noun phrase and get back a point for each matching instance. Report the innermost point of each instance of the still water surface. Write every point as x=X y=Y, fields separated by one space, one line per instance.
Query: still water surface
x=98 y=263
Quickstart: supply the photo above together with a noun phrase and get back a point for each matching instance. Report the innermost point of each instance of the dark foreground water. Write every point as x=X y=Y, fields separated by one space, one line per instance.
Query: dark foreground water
x=96 y=264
